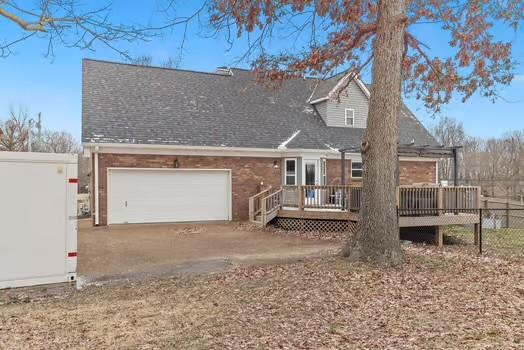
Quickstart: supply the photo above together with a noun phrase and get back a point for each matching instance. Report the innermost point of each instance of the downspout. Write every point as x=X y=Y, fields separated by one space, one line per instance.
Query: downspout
x=95 y=172
x=343 y=176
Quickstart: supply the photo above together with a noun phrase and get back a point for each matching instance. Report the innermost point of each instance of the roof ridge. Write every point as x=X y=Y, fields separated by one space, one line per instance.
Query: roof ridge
x=154 y=67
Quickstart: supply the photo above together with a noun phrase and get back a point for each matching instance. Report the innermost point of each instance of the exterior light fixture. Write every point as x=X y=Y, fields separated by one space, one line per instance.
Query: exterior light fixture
x=275 y=164
x=175 y=163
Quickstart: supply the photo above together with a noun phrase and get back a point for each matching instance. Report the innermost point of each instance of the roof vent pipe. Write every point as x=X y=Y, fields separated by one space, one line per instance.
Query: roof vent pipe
x=224 y=71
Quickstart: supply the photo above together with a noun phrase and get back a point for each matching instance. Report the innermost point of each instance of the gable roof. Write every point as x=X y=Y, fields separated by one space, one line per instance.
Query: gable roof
x=129 y=104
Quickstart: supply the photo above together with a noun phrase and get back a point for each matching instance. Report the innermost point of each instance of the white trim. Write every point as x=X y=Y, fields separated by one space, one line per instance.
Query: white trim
x=318 y=175
x=209 y=151
x=26 y=282
x=361 y=169
x=39 y=157
x=342 y=80
x=296 y=170
x=363 y=87
x=346 y=117
x=229 y=171
x=318 y=100
x=330 y=153
x=97 y=206
x=284 y=144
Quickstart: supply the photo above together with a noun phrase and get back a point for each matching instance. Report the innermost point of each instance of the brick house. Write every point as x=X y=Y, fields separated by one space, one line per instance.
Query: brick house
x=172 y=145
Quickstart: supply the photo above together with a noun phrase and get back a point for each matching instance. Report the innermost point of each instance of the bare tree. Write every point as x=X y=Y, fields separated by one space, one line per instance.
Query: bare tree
x=496 y=164
x=59 y=142
x=14 y=132
x=70 y=23
x=15 y=135
x=143 y=60
x=449 y=133
x=147 y=60
x=86 y=24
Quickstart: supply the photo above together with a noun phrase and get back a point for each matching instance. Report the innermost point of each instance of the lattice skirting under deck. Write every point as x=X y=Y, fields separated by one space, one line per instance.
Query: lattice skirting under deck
x=314 y=225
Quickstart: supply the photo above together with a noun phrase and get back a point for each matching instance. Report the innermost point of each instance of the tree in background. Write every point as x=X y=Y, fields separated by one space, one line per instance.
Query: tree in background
x=16 y=130
x=355 y=33
x=496 y=164
x=14 y=134
x=147 y=60
x=449 y=133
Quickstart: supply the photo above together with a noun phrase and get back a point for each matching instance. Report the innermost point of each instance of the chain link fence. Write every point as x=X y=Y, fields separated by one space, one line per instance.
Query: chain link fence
x=502 y=231
x=498 y=231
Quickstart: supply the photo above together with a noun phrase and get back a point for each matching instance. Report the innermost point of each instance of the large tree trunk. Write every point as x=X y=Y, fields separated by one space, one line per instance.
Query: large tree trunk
x=378 y=241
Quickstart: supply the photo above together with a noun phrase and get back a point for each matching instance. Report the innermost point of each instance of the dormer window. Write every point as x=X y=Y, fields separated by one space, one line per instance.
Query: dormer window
x=350 y=117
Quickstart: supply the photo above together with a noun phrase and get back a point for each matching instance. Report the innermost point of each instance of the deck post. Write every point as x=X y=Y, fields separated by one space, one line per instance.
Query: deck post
x=251 y=209
x=300 y=198
x=263 y=212
x=343 y=176
x=343 y=168
x=439 y=201
x=439 y=237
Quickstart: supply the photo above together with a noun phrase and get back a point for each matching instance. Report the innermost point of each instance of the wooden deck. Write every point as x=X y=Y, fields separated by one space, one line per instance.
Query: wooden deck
x=318 y=214
x=417 y=205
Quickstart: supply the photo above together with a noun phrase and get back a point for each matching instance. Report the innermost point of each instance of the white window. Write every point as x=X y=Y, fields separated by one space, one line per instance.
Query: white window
x=290 y=175
x=356 y=170
x=350 y=117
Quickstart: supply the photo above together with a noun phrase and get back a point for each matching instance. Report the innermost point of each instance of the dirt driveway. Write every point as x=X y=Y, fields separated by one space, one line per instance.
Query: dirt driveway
x=139 y=251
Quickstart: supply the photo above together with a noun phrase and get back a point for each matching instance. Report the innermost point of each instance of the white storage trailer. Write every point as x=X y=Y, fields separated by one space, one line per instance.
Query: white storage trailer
x=38 y=227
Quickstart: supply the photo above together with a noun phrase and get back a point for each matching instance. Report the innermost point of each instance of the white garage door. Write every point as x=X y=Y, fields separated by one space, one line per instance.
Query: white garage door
x=168 y=195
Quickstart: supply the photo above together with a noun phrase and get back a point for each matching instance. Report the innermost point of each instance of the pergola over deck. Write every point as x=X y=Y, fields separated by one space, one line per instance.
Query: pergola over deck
x=409 y=150
x=418 y=205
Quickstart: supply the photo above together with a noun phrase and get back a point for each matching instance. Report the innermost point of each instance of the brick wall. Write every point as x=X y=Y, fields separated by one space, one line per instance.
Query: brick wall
x=247 y=174
x=416 y=172
x=411 y=172
x=333 y=172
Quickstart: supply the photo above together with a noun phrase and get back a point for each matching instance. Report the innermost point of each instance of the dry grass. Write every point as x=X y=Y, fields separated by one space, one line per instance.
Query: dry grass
x=435 y=300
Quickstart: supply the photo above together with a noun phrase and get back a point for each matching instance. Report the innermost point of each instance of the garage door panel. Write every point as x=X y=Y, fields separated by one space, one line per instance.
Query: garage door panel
x=140 y=196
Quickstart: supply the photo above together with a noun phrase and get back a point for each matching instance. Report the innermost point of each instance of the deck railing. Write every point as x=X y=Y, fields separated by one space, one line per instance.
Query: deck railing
x=325 y=197
x=411 y=200
x=433 y=200
x=255 y=203
x=269 y=206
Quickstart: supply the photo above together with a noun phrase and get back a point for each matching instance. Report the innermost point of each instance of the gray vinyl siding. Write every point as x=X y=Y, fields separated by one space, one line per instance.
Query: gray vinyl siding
x=322 y=110
x=353 y=98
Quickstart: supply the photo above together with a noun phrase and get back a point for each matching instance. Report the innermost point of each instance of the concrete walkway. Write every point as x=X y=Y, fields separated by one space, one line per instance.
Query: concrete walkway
x=143 y=251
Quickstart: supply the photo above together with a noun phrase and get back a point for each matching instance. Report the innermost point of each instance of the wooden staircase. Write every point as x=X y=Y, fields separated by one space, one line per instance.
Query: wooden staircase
x=264 y=206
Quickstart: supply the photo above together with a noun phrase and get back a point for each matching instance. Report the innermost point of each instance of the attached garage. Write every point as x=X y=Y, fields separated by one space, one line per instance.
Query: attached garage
x=168 y=195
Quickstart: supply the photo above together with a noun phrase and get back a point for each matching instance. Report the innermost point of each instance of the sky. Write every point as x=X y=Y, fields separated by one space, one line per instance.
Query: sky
x=52 y=85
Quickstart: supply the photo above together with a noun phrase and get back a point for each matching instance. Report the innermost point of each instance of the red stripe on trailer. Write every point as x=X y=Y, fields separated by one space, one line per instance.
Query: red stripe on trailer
x=73 y=181
x=72 y=254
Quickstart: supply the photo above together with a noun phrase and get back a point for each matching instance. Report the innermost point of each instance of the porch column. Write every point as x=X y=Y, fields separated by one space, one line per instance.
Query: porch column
x=343 y=168
x=455 y=167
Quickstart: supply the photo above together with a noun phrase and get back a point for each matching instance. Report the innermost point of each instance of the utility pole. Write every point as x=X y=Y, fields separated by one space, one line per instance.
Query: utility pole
x=39 y=126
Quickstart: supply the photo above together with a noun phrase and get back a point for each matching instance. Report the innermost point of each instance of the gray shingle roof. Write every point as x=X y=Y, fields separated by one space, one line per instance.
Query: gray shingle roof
x=124 y=103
